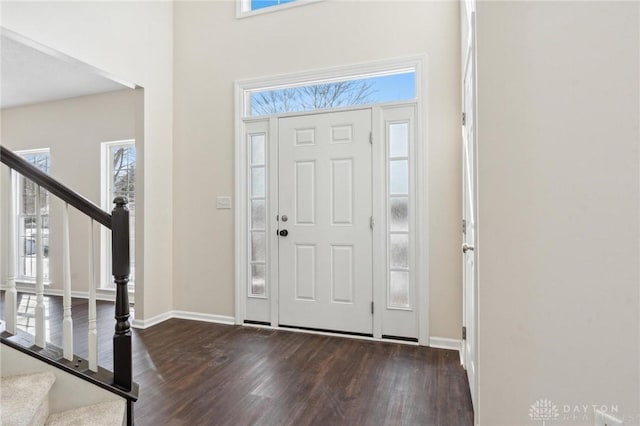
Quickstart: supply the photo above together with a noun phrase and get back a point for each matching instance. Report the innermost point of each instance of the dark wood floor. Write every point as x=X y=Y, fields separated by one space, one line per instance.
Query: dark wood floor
x=195 y=373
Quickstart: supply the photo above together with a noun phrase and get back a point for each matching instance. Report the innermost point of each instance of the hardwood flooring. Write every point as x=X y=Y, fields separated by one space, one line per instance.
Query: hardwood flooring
x=196 y=373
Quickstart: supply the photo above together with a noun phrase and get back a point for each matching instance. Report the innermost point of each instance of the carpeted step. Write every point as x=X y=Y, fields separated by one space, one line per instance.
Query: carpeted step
x=24 y=399
x=110 y=413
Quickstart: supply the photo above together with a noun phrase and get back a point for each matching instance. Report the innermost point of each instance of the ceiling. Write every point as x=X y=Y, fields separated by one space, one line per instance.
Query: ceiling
x=31 y=73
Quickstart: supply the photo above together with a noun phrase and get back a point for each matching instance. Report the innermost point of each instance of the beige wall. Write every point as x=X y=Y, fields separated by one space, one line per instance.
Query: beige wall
x=213 y=49
x=559 y=199
x=134 y=41
x=73 y=130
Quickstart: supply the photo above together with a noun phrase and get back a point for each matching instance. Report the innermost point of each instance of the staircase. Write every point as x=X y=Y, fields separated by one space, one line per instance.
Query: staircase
x=41 y=383
x=25 y=401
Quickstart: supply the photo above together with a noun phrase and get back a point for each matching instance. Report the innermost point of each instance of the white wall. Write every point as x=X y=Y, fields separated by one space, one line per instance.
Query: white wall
x=133 y=40
x=213 y=49
x=73 y=130
x=559 y=200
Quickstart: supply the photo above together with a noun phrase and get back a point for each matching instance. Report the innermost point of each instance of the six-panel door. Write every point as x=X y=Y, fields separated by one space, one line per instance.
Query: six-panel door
x=325 y=259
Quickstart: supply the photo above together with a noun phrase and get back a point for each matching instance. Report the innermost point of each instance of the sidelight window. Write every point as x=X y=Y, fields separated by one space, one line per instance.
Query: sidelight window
x=257 y=225
x=399 y=294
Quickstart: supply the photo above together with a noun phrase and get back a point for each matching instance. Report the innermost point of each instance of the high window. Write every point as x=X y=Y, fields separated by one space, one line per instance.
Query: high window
x=26 y=215
x=256 y=7
x=118 y=179
x=261 y=4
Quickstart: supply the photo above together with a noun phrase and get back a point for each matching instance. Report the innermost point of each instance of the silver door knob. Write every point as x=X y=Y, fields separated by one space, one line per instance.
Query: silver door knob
x=466 y=247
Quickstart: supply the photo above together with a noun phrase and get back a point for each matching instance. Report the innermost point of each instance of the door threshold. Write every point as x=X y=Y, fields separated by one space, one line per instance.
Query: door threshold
x=322 y=330
x=348 y=335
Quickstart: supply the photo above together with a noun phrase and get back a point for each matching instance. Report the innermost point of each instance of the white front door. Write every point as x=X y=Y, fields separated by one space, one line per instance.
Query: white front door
x=469 y=224
x=325 y=208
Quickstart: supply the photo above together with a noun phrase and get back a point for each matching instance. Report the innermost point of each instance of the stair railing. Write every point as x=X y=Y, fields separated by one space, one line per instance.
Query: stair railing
x=118 y=223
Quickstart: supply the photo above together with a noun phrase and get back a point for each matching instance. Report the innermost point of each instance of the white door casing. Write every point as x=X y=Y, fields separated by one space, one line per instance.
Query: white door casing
x=386 y=318
x=396 y=314
x=325 y=193
x=469 y=212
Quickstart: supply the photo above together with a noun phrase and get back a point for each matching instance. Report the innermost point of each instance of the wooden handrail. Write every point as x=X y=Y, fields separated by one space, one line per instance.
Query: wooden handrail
x=42 y=179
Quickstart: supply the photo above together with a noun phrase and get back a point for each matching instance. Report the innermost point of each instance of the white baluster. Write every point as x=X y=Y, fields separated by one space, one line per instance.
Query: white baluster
x=67 y=320
x=11 y=296
x=93 y=332
x=40 y=325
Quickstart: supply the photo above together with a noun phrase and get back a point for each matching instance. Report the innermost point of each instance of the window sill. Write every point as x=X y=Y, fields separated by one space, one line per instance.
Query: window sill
x=31 y=283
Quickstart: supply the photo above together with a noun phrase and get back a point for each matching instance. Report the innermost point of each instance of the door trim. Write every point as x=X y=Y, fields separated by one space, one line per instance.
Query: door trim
x=471 y=323
x=421 y=192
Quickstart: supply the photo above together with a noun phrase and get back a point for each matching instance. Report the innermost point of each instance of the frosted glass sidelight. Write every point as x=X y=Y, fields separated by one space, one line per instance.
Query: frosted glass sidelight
x=399 y=140
x=257 y=214
x=257 y=149
x=399 y=214
x=257 y=181
x=258 y=246
x=399 y=253
x=258 y=273
x=399 y=289
x=399 y=177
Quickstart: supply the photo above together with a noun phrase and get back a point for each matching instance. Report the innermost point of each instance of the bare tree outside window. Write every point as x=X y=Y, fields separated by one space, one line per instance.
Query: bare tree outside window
x=124 y=172
x=122 y=176
x=319 y=96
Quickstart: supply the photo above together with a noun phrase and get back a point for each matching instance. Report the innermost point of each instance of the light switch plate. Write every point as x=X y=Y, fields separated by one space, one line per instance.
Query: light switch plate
x=223 y=202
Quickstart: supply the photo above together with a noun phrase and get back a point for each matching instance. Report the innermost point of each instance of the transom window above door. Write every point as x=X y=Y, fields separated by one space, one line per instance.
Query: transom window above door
x=391 y=86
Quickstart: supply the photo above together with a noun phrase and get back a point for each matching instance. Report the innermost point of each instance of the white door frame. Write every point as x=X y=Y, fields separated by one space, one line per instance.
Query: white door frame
x=242 y=88
x=471 y=304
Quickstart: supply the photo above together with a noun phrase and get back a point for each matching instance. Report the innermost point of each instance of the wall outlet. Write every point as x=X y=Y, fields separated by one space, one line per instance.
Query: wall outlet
x=223 y=202
x=604 y=419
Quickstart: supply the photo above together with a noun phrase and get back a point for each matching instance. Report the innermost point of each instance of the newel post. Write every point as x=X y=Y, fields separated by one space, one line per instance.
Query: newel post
x=122 y=360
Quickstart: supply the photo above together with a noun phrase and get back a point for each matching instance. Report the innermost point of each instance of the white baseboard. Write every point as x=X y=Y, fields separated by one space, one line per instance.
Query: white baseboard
x=193 y=316
x=142 y=324
x=445 y=343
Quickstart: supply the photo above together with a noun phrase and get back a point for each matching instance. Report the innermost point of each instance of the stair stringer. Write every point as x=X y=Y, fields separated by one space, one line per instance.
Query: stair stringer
x=68 y=391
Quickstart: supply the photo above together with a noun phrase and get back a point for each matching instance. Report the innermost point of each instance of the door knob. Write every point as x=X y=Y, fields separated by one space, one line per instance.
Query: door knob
x=466 y=247
x=284 y=233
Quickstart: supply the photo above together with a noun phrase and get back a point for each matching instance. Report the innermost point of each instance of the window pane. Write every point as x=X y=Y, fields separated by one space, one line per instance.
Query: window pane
x=361 y=91
x=257 y=149
x=399 y=140
x=399 y=289
x=399 y=214
x=399 y=253
x=258 y=272
x=257 y=214
x=27 y=229
x=399 y=177
x=122 y=176
x=257 y=181
x=258 y=246
x=261 y=4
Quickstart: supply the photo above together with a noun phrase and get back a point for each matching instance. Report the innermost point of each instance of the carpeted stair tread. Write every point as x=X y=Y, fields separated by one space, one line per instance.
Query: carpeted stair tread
x=110 y=413
x=25 y=399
